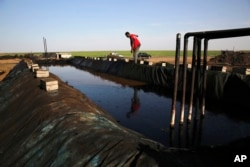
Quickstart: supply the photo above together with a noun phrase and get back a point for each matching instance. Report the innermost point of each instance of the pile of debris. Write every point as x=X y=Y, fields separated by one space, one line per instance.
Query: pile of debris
x=232 y=58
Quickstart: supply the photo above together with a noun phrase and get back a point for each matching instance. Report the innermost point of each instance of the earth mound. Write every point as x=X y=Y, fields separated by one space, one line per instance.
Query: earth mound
x=232 y=58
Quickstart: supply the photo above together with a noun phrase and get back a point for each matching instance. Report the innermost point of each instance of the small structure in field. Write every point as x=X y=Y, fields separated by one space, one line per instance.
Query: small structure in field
x=63 y=55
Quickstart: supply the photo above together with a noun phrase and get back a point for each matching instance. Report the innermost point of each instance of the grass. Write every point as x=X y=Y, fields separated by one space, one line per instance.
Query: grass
x=154 y=53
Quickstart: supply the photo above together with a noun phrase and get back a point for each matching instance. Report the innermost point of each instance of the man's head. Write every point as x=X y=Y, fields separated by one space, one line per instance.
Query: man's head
x=127 y=34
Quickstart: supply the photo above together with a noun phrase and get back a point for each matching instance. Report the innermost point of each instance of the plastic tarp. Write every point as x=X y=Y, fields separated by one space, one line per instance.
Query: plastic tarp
x=161 y=76
x=65 y=128
x=155 y=75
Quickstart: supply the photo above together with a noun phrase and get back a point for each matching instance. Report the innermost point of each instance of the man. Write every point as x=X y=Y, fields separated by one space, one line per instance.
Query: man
x=135 y=44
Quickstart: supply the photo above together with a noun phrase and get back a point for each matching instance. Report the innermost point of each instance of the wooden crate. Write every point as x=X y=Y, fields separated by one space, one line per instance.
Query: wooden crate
x=41 y=73
x=49 y=84
x=247 y=72
x=34 y=67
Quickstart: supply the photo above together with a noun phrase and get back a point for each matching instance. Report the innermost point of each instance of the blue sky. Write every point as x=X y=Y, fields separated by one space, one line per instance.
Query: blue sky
x=78 y=25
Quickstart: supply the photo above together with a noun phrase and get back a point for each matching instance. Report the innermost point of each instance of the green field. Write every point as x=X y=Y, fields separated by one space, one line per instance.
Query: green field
x=154 y=53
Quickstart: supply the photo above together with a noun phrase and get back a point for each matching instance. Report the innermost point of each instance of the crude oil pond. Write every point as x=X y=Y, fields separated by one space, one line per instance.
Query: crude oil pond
x=148 y=112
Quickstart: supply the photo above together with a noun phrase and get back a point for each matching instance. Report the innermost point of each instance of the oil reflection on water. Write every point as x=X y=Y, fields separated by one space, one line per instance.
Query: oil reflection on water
x=148 y=112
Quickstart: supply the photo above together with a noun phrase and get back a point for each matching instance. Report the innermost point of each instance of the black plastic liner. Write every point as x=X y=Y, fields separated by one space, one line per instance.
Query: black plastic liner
x=164 y=76
x=65 y=128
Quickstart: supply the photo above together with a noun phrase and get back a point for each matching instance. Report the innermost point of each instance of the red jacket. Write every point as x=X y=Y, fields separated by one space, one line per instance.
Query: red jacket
x=134 y=41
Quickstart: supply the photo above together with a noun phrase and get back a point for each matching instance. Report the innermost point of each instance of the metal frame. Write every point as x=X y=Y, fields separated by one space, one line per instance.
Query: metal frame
x=196 y=67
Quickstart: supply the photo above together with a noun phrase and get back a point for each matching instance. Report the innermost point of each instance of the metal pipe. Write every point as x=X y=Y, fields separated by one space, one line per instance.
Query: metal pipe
x=180 y=135
x=206 y=35
x=192 y=79
x=171 y=137
x=229 y=33
x=194 y=132
x=188 y=131
x=184 y=73
x=204 y=88
x=200 y=130
x=176 y=76
x=198 y=78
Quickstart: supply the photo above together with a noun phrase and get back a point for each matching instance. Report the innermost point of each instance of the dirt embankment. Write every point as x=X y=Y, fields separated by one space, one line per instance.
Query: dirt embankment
x=170 y=60
x=232 y=58
x=6 y=65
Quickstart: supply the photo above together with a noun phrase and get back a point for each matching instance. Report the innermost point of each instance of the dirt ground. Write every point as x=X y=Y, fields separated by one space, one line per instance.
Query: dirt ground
x=170 y=60
x=6 y=65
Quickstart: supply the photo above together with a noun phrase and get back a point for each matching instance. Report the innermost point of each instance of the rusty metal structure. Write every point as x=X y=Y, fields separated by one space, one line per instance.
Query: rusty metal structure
x=198 y=71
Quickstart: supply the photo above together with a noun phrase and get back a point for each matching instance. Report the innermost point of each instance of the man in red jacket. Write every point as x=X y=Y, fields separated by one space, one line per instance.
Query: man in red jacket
x=135 y=44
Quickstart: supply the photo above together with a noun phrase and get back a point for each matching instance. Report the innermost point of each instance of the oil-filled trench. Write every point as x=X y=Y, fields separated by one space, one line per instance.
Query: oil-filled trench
x=65 y=128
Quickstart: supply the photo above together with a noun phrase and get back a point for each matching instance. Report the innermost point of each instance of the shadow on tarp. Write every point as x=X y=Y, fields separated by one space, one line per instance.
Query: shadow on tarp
x=65 y=128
